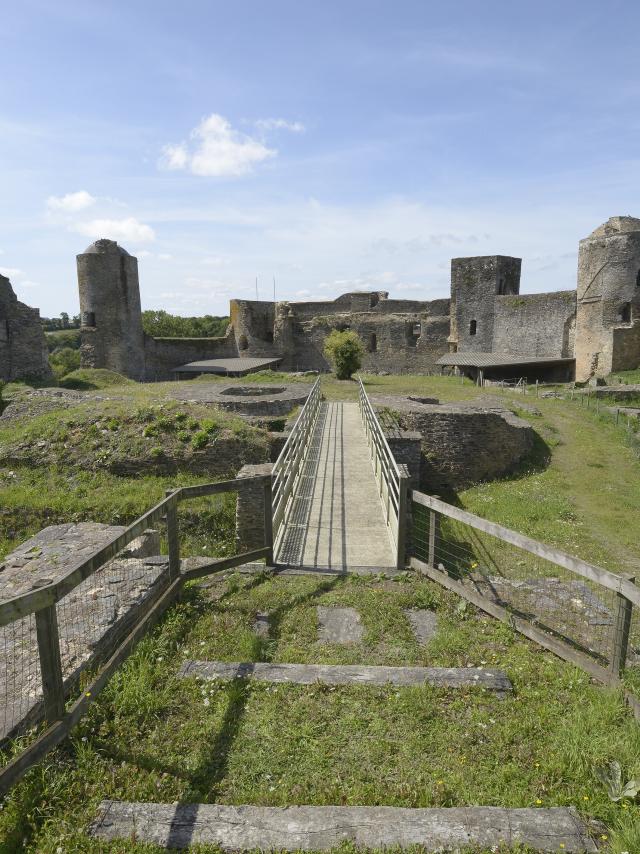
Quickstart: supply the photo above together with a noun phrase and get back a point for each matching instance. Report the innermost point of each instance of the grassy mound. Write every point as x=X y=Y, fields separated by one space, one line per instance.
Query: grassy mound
x=87 y=379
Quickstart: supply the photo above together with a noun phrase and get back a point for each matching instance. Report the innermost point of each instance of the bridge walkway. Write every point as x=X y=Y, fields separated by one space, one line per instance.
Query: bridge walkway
x=336 y=520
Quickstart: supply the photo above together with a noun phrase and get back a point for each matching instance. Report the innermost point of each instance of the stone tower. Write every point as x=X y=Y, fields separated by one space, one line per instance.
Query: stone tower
x=608 y=309
x=110 y=313
x=475 y=283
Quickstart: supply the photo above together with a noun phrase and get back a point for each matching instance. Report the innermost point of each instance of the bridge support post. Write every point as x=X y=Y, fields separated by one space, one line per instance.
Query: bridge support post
x=403 y=515
x=254 y=522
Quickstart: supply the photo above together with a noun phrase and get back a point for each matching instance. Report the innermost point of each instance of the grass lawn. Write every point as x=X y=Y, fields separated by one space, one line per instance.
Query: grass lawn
x=153 y=737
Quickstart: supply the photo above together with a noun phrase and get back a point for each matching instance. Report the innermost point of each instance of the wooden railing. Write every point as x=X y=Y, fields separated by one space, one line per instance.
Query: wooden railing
x=393 y=480
x=287 y=467
x=489 y=565
x=42 y=604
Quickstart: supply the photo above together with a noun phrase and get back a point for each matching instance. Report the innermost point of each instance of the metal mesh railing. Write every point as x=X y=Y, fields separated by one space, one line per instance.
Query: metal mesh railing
x=288 y=467
x=392 y=479
x=586 y=613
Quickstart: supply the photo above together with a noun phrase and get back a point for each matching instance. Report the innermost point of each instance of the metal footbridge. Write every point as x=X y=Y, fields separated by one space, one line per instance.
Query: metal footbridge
x=338 y=493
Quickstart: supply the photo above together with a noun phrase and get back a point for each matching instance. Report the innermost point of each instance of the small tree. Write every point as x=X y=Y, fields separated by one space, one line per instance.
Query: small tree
x=344 y=350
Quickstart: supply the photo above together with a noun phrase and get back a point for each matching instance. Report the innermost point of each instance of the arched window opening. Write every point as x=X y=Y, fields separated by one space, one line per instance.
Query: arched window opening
x=243 y=344
x=473 y=327
x=373 y=342
x=88 y=318
x=624 y=313
x=638 y=280
x=417 y=329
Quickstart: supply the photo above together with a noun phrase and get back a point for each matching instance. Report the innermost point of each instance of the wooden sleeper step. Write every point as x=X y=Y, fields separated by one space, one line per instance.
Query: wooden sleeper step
x=309 y=828
x=349 y=674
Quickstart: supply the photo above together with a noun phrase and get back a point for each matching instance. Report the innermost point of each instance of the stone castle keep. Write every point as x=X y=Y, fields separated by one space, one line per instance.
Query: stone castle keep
x=486 y=326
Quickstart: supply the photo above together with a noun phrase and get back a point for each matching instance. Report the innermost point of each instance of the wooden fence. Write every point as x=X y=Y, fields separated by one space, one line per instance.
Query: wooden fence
x=41 y=603
x=579 y=611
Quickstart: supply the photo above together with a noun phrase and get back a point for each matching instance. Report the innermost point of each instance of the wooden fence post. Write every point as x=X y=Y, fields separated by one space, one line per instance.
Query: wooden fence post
x=403 y=516
x=268 y=519
x=432 y=538
x=173 y=536
x=621 y=630
x=50 y=664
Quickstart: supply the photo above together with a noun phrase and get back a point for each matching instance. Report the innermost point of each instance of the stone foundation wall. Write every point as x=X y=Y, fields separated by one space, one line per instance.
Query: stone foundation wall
x=162 y=355
x=463 y=443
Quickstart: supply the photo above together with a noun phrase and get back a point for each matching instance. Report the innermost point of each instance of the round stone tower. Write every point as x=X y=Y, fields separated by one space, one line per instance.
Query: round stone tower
x=608 y=308
x=110 y=313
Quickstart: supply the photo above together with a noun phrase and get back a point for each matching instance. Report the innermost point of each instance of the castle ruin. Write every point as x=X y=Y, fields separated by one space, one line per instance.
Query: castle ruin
x=23 y=348
x=486 y=325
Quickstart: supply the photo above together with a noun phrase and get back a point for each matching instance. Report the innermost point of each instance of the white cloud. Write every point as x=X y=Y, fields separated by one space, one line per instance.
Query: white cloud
x=280 y=124
x=71 y=203
x=216 y=150
x=141 y=253
x=128 y=229
x=11 y=272
x=165 y=256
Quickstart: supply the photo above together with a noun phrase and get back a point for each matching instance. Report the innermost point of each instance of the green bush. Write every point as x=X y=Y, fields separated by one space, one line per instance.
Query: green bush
x=199 y=440
x=344 y=350
x=64 y=361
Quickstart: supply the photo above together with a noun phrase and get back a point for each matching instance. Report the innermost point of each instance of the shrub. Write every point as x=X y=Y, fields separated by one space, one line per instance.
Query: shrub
x=344 y=350
x=199 y=440
x=64 y=361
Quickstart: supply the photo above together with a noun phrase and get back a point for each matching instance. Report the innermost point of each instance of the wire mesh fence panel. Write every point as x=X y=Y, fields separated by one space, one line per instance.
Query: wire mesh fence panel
x=577 y=611
x=99 y=612
x=20 y=680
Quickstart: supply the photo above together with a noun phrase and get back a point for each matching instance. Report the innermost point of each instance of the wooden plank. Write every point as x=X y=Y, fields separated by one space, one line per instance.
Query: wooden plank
x=50 y=664
x=173 y=536
x=553 y=644
x=225 y=563
x=56 y=733
x=621 y=632
x=309 y=828
x=402 y=520
x=350 y=674
x=204 y=489
x=586 y=570
x=268 y=521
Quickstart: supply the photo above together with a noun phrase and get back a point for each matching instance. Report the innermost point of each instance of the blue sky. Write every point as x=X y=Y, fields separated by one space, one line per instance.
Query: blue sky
x=333 y=145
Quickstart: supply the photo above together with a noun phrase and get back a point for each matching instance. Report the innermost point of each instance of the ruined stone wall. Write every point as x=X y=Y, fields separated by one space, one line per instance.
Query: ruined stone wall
x=253 y=323
x=399 y=336
x=535 y=324
x=23 y=347
x=162 y=355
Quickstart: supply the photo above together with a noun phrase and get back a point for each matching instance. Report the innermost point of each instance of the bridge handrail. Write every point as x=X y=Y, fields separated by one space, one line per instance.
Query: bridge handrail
x=287 y=467
x=393 y=482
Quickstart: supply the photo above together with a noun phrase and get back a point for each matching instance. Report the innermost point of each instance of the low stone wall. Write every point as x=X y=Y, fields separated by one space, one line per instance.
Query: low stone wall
x=462 y=443
x=250 y=399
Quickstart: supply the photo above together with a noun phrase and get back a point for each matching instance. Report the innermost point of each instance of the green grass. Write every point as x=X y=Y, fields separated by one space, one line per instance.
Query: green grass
x=153 y=737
